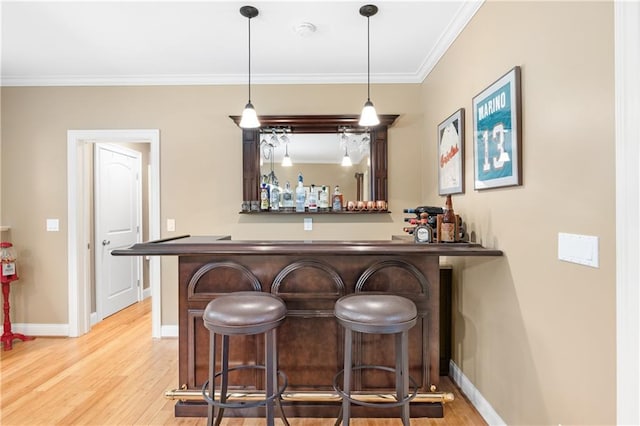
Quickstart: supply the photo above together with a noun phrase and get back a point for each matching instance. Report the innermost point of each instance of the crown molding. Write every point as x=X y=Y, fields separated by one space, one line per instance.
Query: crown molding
x=205 y=80
x=456 y=26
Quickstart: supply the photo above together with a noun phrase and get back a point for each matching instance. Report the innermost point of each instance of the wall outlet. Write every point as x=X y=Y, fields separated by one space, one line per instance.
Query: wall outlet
x=308 y=224
x=53 y=225
x=171 y=225
x=580 y=249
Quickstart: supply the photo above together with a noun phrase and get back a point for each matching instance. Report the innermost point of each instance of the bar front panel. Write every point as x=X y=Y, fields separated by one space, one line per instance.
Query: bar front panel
x=310 y=341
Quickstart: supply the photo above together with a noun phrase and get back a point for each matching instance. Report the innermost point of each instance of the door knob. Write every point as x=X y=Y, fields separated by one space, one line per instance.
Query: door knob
x=106 y=242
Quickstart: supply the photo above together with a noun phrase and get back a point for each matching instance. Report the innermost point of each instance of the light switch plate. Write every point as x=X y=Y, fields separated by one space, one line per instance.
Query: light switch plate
x=53 y=225
x=171 y=225
x=308 y=224
x=580 y=249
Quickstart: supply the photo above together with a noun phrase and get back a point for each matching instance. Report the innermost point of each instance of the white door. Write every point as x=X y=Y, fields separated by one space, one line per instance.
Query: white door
x=117 y=225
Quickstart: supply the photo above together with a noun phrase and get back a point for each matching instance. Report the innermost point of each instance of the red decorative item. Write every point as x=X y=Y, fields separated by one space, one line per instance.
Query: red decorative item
x=8 y=275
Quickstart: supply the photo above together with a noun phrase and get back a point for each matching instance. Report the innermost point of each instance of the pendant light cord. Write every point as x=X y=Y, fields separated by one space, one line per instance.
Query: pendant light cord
x=249 y=21
x=368 y=63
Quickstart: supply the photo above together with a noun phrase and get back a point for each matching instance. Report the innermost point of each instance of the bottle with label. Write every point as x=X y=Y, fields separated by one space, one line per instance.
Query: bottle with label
x=300 y=195
x=274 y=198
x=313 y=199
x=287 y=198
x=264 y=197
x=337 y=202
x=448 y=223
x=423 y=233
x=8 y=261
x=323 y=199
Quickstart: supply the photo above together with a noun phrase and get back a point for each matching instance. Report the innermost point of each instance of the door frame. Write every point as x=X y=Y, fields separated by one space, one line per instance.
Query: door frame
x=627 y=137
x=97 y=182
x=78 y=219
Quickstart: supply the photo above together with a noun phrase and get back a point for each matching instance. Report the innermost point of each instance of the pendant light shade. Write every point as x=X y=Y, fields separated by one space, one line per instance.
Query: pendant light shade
x=249 y=118
x=369 y=117
x=346 y=160
x=286 y=160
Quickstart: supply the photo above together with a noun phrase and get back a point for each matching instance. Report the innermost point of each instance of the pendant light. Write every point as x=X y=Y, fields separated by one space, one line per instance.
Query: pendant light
x=249 y=118
x=286 y=160
x=346 y=160
x=369 y=117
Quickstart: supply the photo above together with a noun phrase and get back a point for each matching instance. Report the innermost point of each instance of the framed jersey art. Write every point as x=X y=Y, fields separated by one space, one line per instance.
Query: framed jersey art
x=497 y=133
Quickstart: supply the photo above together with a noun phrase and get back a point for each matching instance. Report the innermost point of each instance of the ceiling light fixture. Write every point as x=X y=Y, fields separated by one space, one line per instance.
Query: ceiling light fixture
x=249 y=118
x=369 y=117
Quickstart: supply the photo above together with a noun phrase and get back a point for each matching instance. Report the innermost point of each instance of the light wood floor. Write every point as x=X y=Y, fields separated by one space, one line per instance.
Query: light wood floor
x=117 y=375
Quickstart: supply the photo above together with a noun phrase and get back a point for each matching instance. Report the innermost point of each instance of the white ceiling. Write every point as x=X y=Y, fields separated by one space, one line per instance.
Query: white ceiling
x=161 y=42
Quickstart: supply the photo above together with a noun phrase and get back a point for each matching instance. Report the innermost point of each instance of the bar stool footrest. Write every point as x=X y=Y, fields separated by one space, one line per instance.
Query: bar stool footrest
x=278 y=394
x=396 y=403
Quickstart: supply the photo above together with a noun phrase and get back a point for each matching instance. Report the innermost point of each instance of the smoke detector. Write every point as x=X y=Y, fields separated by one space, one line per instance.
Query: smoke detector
x=305 y=29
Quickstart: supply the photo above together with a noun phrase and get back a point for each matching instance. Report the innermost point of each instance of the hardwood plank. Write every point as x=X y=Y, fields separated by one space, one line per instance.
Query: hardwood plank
x=117 y=375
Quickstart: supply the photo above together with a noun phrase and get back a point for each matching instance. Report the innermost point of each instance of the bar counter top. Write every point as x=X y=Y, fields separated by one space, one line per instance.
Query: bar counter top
x=197 y=245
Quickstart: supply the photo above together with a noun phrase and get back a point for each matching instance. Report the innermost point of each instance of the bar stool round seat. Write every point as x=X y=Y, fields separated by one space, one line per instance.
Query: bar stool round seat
x=375 y=313
x=244 y=313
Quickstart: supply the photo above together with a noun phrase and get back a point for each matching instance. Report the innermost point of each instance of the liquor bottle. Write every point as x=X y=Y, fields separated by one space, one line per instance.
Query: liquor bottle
x=409 y=229
x=287 y=198
x=274 y=198
x=313 y=199
x=323 y=199
x=448 y=223
x=337 y=202
x=300 y=195
x=264 y=197
x=424 y=209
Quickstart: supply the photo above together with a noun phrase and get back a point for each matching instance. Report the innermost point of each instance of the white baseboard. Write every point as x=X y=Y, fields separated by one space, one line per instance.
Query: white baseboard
x=146 y=293
x=93 y=318
x=475 y=397
x=169 y=331
x=41 y=329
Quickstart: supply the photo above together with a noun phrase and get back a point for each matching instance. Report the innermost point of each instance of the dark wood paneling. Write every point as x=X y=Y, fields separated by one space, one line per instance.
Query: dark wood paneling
x=310 y=340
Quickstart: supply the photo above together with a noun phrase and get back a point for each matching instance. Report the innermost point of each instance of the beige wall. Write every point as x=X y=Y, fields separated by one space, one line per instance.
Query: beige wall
x=200 y=150
x=536 y=335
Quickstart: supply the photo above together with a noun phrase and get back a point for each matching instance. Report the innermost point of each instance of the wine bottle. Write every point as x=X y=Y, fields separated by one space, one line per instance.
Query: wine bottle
x=409 y=229
x=448 y=223
x=424 y=209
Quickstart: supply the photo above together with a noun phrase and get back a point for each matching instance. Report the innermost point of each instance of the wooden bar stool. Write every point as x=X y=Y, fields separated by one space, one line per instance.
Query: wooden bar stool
x=376 y=314
x=244 y=313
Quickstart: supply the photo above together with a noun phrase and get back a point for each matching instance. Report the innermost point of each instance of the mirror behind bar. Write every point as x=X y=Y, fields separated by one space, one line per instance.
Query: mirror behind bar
x=251 y=153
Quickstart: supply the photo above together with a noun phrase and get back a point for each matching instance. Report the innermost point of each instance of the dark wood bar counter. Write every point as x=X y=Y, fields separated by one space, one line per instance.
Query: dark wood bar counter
x=309 y=276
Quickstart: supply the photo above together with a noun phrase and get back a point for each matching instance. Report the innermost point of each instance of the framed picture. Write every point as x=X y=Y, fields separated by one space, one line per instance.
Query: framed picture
x=497 y=133
x=451 y=154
